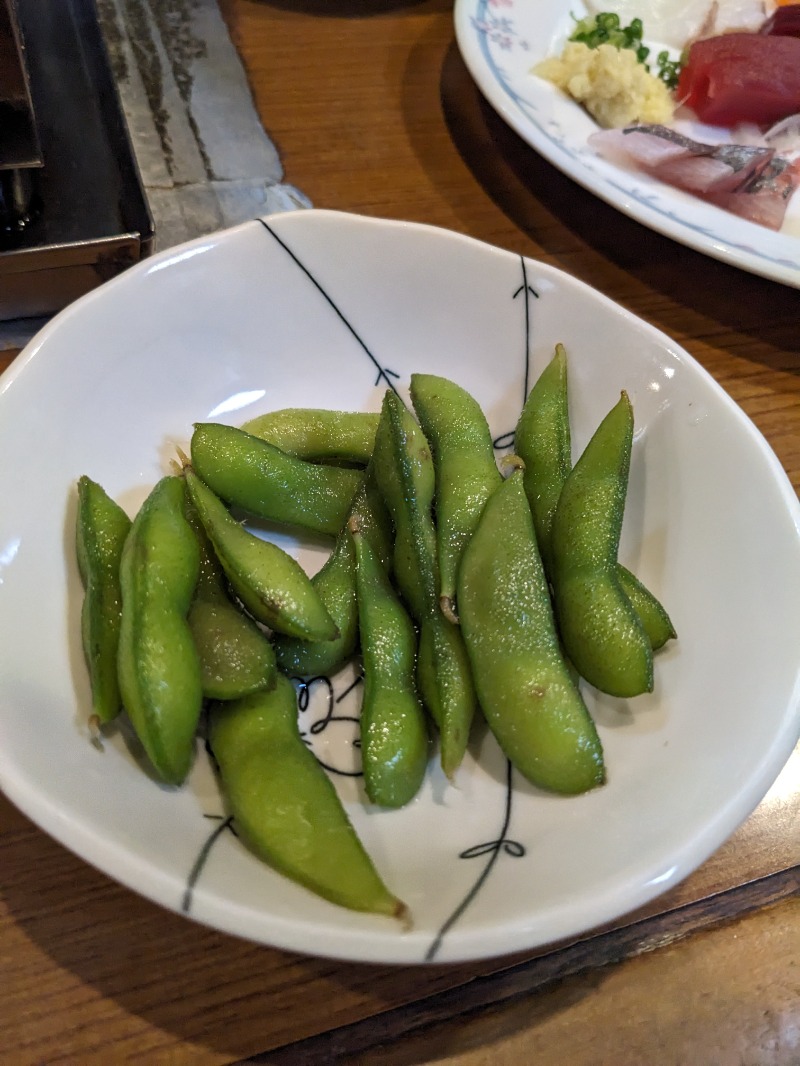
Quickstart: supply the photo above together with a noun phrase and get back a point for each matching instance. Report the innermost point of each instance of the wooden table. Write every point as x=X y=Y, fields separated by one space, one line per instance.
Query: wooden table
x=373 y=111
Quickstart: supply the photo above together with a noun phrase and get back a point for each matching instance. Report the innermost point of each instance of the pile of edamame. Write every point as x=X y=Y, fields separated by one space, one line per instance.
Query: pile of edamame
x=464 y=592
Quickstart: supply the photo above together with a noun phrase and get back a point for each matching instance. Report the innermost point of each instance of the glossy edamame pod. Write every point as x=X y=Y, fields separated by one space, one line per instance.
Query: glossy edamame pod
x=656 y=622
x=259 y=478
x=528 y=697
x=317 y=435
x=272 y=586
x=336 y=584
x=542 y=441
x=285 y=808
x=444 y=679
x=601 y=631
x=405 y=476
x=102 y=527
x=236 y=657
x=406 y=479
x=159 y=671
x=394 y=737
x=466 y=471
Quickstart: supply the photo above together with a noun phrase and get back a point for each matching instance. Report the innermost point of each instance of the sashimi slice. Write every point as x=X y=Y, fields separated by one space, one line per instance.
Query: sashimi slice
x=676 y=23
x=749 y=181
x=742 y=77
x=738 y=16
x=765 y=198
x=704 y=169
x=721 y=170
x=669 y=22
x=648 y=147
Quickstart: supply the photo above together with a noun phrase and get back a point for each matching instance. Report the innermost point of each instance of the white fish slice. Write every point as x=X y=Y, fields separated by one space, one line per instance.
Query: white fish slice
x=676 y=23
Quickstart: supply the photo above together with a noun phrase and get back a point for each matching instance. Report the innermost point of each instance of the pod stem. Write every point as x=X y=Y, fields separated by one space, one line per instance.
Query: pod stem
x=510 y=464
x=448 y=608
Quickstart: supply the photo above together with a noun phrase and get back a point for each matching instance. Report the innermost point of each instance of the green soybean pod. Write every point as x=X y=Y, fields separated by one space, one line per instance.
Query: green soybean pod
x=102 y=527
x=257 y=477
x=406 y=478
x=444 y=678
x=601 y=630
x=272 y=585
x=656 y=622
x=526 y=691
x=318 y=435
x=236 y=656
x=159 y=671
x=466 y=471
x=542 y=441
x=285 y=808
x=405 y=475
x=394 y=737
x=335 y=583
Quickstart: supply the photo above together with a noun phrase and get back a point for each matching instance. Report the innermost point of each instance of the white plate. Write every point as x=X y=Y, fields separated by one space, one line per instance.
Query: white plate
x=501 y=40
x=310 y=308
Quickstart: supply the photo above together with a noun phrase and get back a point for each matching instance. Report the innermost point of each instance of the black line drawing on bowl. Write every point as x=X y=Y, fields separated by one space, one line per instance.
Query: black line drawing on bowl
x=304 y=690
x=492 y=848
x=506 y=440
x=384 y=374
x=202 y=858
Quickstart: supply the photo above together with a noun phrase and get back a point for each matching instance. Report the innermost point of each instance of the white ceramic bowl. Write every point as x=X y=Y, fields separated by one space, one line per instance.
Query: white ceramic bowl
x=319 y=309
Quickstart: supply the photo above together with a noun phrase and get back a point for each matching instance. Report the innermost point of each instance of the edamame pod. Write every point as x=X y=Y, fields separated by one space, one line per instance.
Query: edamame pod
x=444 y=678
x=252 y=474
x=102 y=527
x=270 y=583
x=285 y=808
x=542 y=441
x=466 y=471
x=601 y=631
x=159 y=672
x=405 y=475
x=394 y=738
x=317 y=435
x=336 y=585
x=406 y=479
x=236 y=657
x=528 y=697
x=656 y=622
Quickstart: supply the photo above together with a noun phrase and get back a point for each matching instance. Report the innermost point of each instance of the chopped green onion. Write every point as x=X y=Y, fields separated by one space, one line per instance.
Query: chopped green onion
x=605 y=28
x=668 y=69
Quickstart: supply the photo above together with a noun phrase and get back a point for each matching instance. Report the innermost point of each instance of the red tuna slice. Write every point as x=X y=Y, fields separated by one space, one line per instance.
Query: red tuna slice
x=765 y=198
x=703 y=169
x=742 y=77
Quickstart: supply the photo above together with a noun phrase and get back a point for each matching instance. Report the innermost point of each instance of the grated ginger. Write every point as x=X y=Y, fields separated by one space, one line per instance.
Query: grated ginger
x=613 y=86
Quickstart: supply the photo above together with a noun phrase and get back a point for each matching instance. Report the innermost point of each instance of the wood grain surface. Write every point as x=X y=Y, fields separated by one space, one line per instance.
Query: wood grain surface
x=373 y=111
